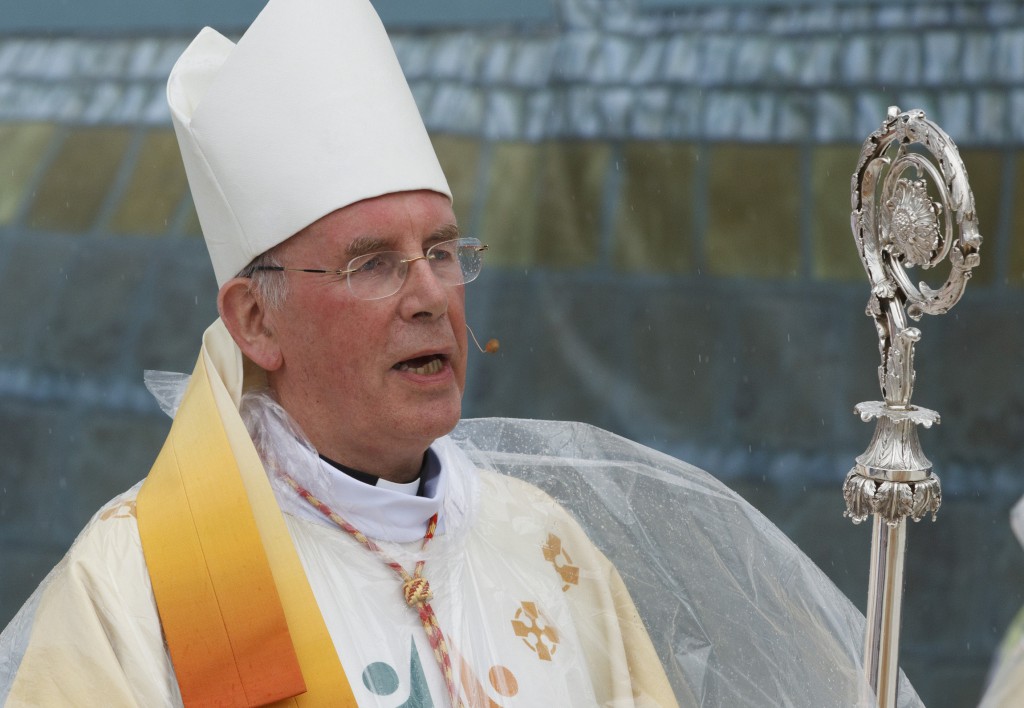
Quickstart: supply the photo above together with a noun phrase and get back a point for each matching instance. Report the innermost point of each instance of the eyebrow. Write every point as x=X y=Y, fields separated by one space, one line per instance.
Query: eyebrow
x=362 y=245
x=445 y=233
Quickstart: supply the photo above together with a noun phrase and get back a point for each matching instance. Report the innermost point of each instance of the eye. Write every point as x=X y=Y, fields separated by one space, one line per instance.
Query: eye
x=372 y=264
x=443 y=252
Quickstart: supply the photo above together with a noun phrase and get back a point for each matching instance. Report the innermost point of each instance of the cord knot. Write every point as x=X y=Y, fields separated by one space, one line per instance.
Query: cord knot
x=417 y=591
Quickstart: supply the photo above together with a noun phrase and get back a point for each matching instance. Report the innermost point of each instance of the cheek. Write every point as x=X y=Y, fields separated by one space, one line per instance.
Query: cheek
x=311 y=338
x=457 y=313
x=461 y=365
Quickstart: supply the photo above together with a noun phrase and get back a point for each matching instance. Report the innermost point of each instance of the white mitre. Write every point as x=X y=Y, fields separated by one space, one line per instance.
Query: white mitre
x=308 y=113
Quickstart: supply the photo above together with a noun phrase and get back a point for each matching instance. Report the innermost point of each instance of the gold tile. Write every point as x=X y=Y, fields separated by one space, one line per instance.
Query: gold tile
x=21 y=147
x=459 y=157
x=510 y=211
x=753 y=222
x=156 y=187
x=75 y=186
x=653 y=230
x=570 y=203
x=835 y=252
x=985 y=174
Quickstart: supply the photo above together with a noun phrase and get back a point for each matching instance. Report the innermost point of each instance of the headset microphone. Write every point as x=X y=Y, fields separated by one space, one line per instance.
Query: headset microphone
x=492 y=344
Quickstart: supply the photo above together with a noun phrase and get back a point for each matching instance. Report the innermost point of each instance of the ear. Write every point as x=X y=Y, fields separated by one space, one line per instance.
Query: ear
x=246 y=318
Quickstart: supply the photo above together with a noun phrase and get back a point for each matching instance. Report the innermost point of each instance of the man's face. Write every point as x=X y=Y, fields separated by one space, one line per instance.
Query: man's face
x=371 y=382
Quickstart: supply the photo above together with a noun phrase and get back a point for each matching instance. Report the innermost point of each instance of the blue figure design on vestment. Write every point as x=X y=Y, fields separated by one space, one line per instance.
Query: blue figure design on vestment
x=381 y=679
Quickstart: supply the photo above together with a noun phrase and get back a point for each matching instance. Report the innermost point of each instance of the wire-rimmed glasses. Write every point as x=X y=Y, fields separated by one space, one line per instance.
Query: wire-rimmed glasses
x=378 y=275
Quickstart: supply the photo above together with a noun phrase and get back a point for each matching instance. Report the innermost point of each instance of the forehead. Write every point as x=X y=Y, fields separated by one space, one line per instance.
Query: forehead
x=400 y=220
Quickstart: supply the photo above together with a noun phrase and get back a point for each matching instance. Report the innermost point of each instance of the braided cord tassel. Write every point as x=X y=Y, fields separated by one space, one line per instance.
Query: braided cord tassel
x=415 y=588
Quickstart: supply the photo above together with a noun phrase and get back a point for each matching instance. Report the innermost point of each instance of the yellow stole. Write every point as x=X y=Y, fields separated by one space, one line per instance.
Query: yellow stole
x=236 y=608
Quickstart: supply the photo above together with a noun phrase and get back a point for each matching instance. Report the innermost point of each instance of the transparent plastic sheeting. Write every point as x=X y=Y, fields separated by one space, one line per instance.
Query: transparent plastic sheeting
x=738 y=615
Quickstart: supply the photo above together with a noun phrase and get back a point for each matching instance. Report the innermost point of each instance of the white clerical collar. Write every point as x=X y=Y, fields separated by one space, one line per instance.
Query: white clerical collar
x=380 y=511
x=423 y=485
x=411 y=488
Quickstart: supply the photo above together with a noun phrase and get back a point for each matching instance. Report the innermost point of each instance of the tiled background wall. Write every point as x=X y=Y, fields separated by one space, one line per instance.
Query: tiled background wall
x=666 y=196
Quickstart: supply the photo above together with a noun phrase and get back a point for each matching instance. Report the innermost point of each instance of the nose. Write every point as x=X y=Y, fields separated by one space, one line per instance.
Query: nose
x=423 y=295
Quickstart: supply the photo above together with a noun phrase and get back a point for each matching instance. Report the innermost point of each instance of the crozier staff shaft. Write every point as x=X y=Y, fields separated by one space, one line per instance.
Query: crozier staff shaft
x=912 y=209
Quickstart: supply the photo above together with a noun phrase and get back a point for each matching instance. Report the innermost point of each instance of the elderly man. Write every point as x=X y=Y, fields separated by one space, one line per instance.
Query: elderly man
x=311 y=535
x=325 y=392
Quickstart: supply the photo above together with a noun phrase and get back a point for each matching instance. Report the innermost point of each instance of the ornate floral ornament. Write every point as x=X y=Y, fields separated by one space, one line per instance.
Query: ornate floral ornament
x=910 y=224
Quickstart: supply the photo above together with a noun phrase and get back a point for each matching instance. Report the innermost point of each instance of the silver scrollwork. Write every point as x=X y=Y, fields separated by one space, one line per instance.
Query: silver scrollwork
x=912 y=209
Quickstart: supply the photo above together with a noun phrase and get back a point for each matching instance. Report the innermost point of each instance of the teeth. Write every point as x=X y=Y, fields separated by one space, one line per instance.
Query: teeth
x=433 y=367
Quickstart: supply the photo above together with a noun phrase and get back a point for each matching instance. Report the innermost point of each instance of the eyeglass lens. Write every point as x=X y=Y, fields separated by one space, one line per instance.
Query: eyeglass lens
x=381 y=274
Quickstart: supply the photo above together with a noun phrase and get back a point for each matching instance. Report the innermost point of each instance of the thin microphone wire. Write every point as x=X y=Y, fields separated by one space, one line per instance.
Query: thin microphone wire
x=492 y=344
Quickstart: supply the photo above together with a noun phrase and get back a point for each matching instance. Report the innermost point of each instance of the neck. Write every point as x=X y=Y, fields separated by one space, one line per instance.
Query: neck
x=379 y=450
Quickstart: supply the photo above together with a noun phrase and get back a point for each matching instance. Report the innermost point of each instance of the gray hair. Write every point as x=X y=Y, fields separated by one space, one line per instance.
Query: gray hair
x=270 y=286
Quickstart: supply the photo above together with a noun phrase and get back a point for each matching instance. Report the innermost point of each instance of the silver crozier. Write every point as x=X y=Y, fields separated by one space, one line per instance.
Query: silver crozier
x=912 y=208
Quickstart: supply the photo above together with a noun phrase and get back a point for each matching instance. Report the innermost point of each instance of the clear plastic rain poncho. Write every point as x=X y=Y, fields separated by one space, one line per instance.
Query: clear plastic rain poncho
x=736 y=613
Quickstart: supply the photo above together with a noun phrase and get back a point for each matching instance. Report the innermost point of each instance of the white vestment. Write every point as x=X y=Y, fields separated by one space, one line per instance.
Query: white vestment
x=535 y=614
x=532 y=613
x=99 y=597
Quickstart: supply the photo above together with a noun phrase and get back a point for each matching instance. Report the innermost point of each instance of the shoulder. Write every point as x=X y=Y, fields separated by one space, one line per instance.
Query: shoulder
x=499 y=483
x=94 y=617
x=529 y=512
x=112 y=531
x=519 y=496
x=106 y=558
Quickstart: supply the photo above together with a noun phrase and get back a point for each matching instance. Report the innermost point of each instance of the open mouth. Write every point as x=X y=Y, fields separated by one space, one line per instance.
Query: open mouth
x=422 y=365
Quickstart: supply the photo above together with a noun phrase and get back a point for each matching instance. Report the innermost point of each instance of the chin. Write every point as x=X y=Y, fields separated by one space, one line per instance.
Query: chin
x=439 y=422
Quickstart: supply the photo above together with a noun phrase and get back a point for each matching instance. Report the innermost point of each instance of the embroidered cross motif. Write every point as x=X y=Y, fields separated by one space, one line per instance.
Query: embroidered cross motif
x=553 y=552
x=536 y=632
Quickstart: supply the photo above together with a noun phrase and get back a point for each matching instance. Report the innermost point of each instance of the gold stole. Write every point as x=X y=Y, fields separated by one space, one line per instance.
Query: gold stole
x=237 y=612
